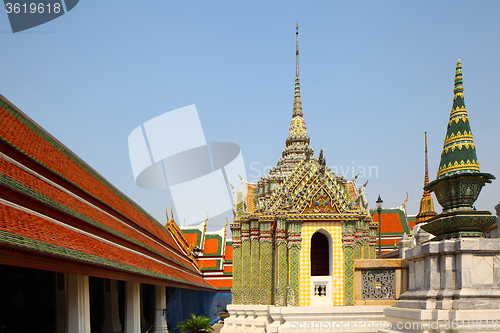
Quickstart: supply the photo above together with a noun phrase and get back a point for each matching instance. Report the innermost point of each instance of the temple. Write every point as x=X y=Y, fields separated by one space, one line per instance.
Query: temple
x=298 y=230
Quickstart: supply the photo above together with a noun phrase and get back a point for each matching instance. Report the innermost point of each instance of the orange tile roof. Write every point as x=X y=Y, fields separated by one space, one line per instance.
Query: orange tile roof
x=209 y=263
x=58 y=158
x=391 y=222
x=192 y=238
x=21 y=223
x=125 y=237
x=106 y=222
x=222 y=283
x=212 y=246
x=229 y=252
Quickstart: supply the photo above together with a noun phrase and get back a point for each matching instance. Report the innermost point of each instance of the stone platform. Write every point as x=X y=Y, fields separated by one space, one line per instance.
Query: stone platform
x=266 y=318
x=454 y=286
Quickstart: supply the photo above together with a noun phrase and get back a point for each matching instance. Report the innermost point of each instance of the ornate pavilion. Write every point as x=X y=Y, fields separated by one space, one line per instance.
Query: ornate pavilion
x=297 y=231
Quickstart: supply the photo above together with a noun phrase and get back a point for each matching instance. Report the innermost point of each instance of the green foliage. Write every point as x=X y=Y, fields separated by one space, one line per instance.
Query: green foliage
x=195 y=324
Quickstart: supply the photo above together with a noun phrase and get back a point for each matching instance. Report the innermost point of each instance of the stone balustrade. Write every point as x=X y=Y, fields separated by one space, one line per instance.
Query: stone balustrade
x=272 y=319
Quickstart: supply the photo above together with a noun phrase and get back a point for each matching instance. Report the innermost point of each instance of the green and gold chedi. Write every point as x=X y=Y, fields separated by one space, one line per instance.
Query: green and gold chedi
x=459 y=180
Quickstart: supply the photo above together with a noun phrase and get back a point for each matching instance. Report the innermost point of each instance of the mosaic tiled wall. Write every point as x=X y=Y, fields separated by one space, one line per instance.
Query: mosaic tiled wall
x=335 y=230
x=255 y=262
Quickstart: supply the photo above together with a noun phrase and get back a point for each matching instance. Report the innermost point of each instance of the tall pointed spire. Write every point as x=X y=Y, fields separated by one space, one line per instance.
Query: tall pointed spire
x=297 y=134
x=426 y=203
x=297 y=102
x=297 y=143
x=297 y=49
x=426 y=178
x=459 y=181
x=459 y=151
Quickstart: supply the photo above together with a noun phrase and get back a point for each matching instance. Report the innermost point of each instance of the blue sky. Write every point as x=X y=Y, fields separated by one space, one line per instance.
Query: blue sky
x=375 y=75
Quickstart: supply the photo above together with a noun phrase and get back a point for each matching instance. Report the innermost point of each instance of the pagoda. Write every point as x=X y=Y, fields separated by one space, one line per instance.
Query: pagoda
x=297 y=231
x=459 y=179
x=453 y=277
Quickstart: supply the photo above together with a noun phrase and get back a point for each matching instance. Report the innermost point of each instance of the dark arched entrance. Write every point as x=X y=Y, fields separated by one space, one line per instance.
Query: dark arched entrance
x=320 y=255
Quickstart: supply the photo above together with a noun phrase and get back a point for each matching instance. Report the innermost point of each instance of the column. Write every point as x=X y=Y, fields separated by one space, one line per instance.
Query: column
x=237 y=272
x=294 y=228
x=266 y=261
x=282 y=264
x=78 y=304
x=111 y=307
x=246 y=277
x=61 y=303
x=255 y=264
x=132 y=307
x=348 y=246
x=161 y=304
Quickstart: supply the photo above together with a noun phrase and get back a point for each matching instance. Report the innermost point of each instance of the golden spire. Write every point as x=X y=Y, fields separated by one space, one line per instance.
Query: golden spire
x=297 y=102
x=426 y=203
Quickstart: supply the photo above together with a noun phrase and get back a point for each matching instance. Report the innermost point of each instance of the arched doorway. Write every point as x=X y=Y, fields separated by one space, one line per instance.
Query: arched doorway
x=321 y=268
x=320 y=255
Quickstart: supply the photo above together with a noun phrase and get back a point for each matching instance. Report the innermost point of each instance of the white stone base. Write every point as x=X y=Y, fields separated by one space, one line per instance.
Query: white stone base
x=266 y=318
x=427 y=320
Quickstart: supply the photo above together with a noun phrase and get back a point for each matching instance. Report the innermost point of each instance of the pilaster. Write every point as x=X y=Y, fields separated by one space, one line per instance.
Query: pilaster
x=366 y=240
x=282 y=264
x=237 y=258
x=348 y=243
x=294 y=228
x=372 y=234
x=255 y=262
x=246 y=275
x=358 y=241
x=266 y=260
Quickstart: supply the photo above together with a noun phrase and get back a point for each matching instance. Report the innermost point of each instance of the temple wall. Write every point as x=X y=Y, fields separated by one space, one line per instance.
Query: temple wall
x=305 y=284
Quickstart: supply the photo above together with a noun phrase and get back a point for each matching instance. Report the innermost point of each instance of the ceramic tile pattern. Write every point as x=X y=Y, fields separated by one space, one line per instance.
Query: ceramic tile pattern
x=335 y=230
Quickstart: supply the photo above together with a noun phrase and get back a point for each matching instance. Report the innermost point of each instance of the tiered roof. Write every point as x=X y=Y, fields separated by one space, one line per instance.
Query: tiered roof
x=300 y=177
x=56 y=207
x=395 y=223
x=214 y=254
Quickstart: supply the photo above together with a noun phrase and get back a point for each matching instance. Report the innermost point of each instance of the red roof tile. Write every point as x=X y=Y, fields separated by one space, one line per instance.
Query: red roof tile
x=65 y=199
x=34 y=227
x=34 y=145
